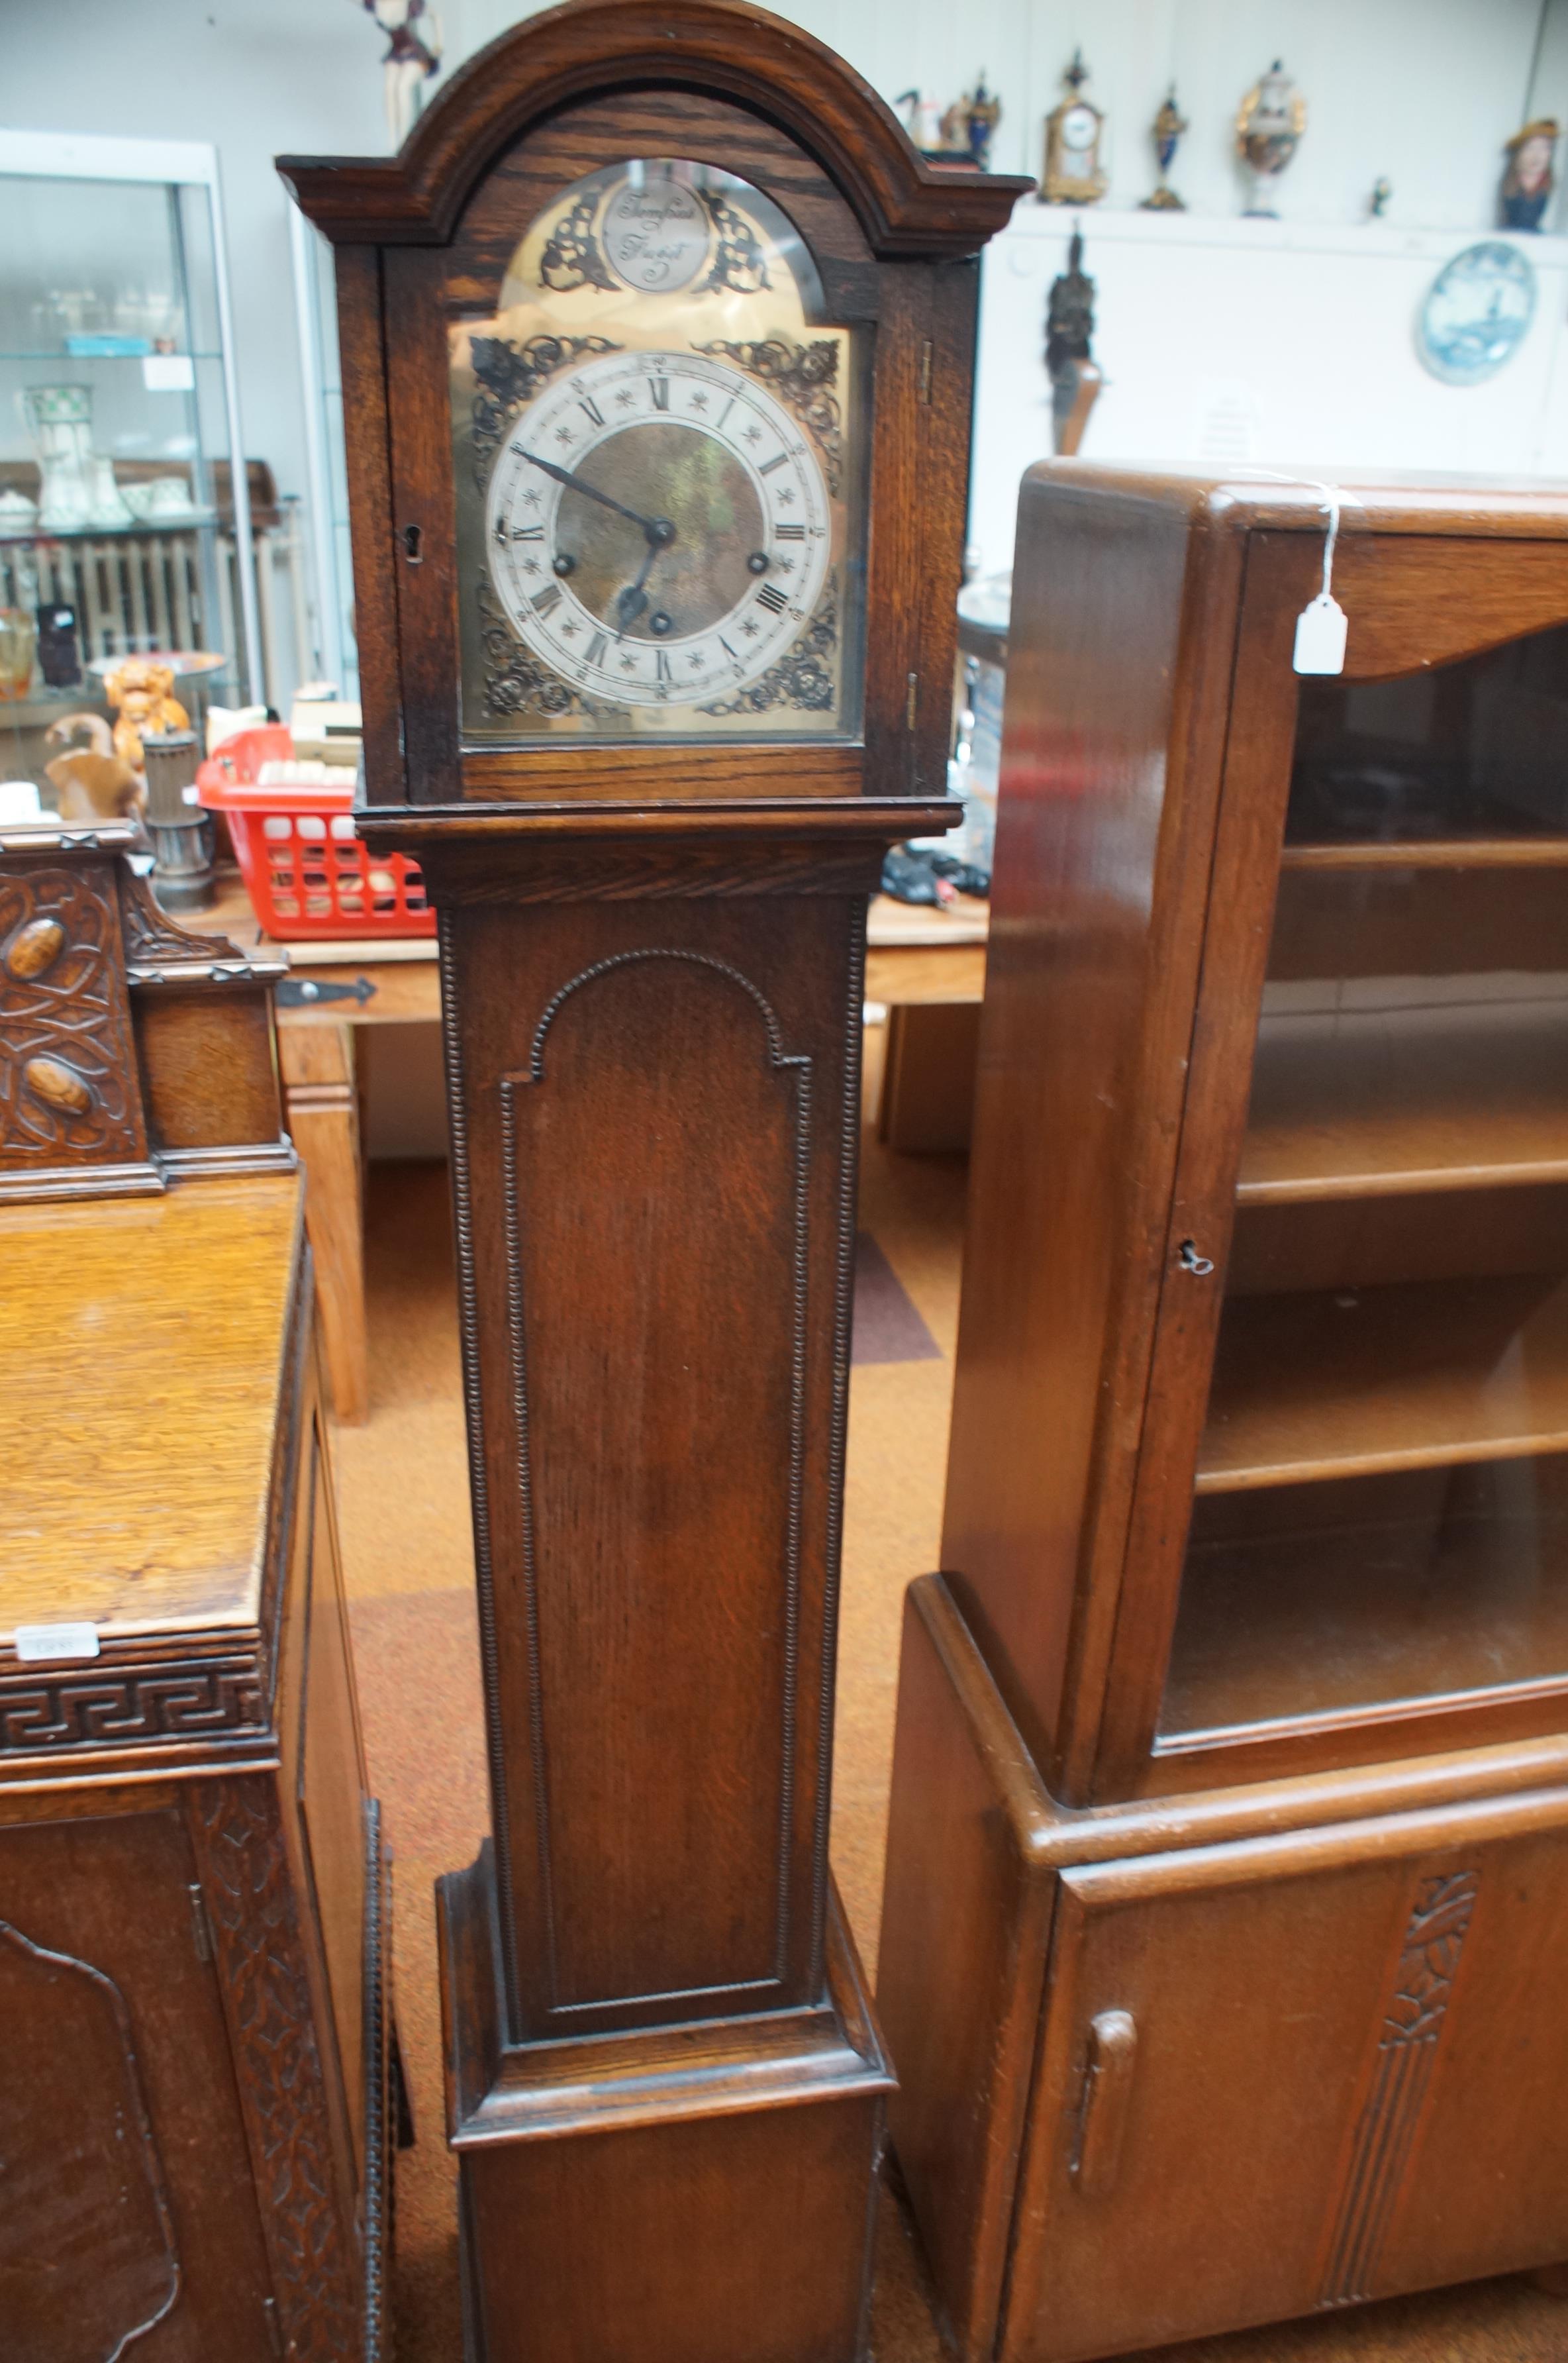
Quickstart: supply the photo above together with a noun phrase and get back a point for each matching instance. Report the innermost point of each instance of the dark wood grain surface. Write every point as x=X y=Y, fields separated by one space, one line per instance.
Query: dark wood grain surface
x=1256 y=1562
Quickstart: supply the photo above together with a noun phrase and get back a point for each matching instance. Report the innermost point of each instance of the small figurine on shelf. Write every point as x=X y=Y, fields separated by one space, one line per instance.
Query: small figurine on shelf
x=1165 y=132
x=91 y=783
x=1530 y=180
x=1382 y=189
x=414 y=32
x=142 y=694
x=1268 y=131
x=967 y=126
x=1072 y=174
x=922 y=120
x=1069 y=333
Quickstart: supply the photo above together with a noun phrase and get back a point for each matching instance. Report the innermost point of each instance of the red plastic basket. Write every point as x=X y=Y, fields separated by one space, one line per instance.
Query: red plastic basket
x=305 y=870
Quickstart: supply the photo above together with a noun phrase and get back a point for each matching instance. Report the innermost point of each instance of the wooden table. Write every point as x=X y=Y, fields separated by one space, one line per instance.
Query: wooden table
x=916 y=960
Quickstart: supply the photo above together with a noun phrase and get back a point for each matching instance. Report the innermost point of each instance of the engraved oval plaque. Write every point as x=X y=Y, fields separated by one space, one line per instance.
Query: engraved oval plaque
x=33 y=948
x=656 y=237
x=58 y=1085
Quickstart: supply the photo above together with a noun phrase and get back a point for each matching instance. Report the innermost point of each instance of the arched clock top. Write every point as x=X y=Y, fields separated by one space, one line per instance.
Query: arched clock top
x=905 y=207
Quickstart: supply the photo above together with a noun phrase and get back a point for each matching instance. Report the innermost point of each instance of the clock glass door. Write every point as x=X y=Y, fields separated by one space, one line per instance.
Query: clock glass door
x=658 y=453
x=1381 y=1512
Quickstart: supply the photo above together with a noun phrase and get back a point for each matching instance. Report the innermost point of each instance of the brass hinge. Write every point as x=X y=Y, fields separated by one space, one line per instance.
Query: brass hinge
x=274 y=2327
x=925 y=357
x=910 y=695
x=201 y=1926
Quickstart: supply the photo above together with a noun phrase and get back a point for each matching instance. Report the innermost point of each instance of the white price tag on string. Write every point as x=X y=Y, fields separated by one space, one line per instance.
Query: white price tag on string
x=1322 y=626
x=1320 y=630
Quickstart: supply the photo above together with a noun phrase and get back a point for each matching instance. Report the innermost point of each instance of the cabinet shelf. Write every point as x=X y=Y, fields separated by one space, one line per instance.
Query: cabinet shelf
x=1423 y=1374
x=1375 y=1103
x=1317 y=1600
x=1432 y=853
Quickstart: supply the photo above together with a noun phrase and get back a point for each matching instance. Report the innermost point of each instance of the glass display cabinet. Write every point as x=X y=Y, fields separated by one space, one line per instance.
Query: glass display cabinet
x=1229 y=1852
x=125 y=525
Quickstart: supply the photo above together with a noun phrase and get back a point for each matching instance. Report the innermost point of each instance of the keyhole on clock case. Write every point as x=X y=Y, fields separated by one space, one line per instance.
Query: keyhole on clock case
x=412 y=537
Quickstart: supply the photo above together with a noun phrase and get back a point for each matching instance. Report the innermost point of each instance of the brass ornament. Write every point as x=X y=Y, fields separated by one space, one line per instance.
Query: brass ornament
x=1269 y=126
x=1166 y=132
x=1073 y=173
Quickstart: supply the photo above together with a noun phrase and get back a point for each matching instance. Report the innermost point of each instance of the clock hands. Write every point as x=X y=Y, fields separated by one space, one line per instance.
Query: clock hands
x=659 y=530
x=631 y=601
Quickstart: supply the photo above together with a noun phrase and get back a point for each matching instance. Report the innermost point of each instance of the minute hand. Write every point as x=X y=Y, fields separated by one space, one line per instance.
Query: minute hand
x=650 y=525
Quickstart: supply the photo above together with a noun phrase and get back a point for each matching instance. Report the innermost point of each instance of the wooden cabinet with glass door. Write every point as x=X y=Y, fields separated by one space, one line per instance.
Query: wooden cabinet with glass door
x=1255 y=1601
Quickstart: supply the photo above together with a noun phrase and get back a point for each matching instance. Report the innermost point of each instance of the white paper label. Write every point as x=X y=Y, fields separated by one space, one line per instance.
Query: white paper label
x=36 y=1644
x=169 y=373
x=1320 y=630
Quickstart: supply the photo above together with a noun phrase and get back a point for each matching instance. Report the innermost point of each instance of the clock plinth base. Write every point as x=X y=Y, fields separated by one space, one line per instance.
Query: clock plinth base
x=702 y=2194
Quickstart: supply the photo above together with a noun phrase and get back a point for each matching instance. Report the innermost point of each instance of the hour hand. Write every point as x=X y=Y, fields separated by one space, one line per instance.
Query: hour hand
x=630 y=603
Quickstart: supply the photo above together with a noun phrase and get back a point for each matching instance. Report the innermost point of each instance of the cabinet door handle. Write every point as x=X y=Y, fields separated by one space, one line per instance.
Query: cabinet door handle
x=1108 y=2089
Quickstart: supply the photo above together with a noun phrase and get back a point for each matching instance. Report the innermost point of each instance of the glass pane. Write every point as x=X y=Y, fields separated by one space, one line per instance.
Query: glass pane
x=1381 y=1494
x=1463 y=750
x=111 y=510
x=658 y=458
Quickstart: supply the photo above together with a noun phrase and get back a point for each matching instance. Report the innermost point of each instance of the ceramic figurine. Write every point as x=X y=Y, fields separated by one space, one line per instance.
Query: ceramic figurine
x=1268 y=131
x=922 y=120
x=967 y=126
x=77 y=489
x=1382 y=189
x=1166 y=131
x=142 y=694
x=1530 y=180
x=91 y=783
x=1072 y=174
x=413 y=33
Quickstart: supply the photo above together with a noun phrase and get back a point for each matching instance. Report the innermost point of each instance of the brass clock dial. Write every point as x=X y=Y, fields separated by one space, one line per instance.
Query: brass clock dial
x=660 y=474
x=660 y=529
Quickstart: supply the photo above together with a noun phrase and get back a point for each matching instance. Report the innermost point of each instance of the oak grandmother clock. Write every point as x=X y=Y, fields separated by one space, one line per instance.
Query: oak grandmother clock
x=656 y=355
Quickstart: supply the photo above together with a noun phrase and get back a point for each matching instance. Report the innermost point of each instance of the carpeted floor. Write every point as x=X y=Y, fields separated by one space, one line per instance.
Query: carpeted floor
x=403 y=1490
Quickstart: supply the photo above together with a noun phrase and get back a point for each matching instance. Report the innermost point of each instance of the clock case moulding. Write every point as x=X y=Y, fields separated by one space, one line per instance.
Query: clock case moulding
x=665 y=2081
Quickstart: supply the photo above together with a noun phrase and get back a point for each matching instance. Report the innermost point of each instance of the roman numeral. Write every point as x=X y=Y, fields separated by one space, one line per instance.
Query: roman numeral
x=527 y=533
x=777 y=461
x=661 y=664
x=596 y=648
x=543 y=601
x=790 y=532
x=725 y=412
x=659 y=389
x=772 y=598
x=594 y=413
x=729 y=652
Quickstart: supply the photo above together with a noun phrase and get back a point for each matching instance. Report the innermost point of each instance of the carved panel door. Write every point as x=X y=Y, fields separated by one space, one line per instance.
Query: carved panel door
x=128 y=2222
x=1388 y=1988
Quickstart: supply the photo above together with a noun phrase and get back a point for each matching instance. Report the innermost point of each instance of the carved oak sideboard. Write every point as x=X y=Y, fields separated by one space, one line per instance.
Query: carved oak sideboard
x=193 y=1903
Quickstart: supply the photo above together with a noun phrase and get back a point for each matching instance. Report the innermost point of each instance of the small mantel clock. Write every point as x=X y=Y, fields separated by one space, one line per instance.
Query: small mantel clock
x=656 y=348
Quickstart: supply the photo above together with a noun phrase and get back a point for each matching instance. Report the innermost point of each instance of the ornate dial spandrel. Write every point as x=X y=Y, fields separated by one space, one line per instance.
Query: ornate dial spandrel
x=658 y=465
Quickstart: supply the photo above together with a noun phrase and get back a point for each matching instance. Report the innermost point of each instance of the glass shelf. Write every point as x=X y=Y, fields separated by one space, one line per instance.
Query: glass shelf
x=190 y=524
x=58 y=353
